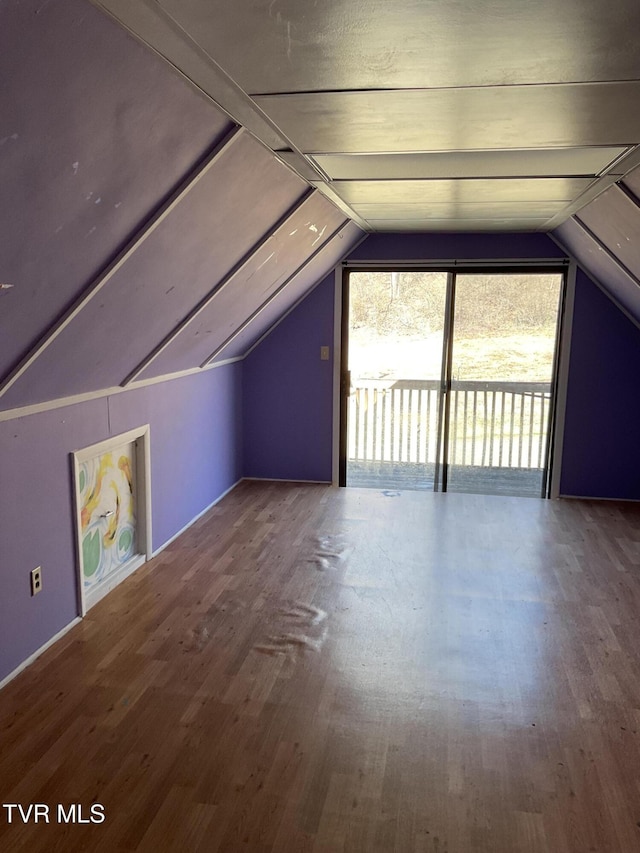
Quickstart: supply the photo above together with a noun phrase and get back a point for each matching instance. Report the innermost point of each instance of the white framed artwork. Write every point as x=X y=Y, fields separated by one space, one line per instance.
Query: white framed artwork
x=113 y=512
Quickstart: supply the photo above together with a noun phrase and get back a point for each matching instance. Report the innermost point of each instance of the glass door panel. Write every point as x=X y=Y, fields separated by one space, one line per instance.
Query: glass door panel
x=501 y=372
x=395 y=346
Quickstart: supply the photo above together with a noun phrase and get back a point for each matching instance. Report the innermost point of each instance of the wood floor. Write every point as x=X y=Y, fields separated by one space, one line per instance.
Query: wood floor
x=310 y=669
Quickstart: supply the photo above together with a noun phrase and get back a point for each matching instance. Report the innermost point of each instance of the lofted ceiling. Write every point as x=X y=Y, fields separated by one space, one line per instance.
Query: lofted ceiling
x=421 y=115
x=164 y=208
x=143 y=232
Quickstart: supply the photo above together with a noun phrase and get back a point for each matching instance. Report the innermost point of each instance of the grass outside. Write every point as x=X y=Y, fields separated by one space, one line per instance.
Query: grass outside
x=516 y=357
x=504 y=332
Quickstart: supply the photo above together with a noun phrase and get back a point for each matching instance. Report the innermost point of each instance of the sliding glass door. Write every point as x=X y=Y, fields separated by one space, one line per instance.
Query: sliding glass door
x=395 y=343
x=501 y=382
x=449 y=379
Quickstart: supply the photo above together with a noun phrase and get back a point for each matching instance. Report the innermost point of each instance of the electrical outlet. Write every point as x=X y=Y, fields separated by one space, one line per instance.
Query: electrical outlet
x=36 y=580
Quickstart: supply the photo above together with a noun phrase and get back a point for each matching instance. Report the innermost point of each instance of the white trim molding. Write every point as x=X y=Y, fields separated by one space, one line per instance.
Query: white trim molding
x=36 y=408
x=104 y=277
x=286 y=480
x=596 y=498
x=337 y=371
x=140 y=437
x=195 y=518
x=562 y=377
x=446 y=264
x=38 y=652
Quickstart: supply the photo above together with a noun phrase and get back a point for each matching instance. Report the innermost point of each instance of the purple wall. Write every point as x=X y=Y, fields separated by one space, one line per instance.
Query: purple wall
x=600 y=453
x=288 y=392
x=196 y=454
x=600 y=457
x=449 y=246
x=288 y=398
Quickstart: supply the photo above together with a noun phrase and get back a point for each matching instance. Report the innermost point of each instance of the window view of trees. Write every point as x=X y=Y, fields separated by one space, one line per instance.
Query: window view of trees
x=504 y=325
x=399 y=302
x=497 y=411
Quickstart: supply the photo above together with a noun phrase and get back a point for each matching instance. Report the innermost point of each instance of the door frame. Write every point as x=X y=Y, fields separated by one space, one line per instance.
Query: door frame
x=559 y=379
x=141 y=437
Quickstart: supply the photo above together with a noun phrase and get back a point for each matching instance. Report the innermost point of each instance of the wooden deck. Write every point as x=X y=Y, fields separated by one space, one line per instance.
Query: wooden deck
x=313 y=670
x=497 y=436
x=480 y=480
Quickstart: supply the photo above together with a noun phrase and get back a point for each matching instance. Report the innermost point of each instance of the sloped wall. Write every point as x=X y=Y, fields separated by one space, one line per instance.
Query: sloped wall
x=600 y=452
x=95 y=132
x=143 y=233
x=96 y=135
x=603 y=237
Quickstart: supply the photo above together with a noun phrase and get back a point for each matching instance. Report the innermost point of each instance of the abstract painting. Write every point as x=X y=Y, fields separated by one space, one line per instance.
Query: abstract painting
x=107 y=513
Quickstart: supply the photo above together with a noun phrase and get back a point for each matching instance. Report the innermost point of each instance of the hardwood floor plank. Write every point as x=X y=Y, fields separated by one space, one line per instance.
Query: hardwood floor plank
x=309 y=669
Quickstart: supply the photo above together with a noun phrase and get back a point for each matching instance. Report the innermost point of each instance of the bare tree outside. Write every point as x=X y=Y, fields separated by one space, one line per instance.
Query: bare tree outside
x=513 y=334
x=503 y=342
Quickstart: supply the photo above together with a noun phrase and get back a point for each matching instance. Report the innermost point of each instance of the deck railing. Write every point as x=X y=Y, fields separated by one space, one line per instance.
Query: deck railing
x=492 y=424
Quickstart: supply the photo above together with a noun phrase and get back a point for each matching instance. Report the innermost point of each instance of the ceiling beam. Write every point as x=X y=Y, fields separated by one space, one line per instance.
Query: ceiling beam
x=273 y=295
x=606 y=250
x=598 y=282
x=154 y=26
x=219 y=287
x=121 y=258
x=150 y=24
x=616 y=173
x=328 y=191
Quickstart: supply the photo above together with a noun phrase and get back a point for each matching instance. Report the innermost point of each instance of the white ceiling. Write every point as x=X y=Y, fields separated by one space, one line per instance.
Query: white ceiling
x=419 y=114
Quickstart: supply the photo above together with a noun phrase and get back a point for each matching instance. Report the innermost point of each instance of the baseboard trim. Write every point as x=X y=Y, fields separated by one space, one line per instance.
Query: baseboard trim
x=41 y=650
x=194 y=519
x=596 y=498
x=286 y=480
x=155 y=553
x=91 y=599
x=121 y=577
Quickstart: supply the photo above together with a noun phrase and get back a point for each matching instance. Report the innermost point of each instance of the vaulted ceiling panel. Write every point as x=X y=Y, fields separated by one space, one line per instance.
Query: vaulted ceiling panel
x=302 y=233
x=144 y=233
x=256 y=325
x=290 y=46
x=372 y=91
x=463 y=191
x=614 y=219
x=515 y=163
x=414 y=120
x=486 y=223
x=94 y=132
x=571 y=133
x=600 y=265
x=237 y=199
x=461 y=210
